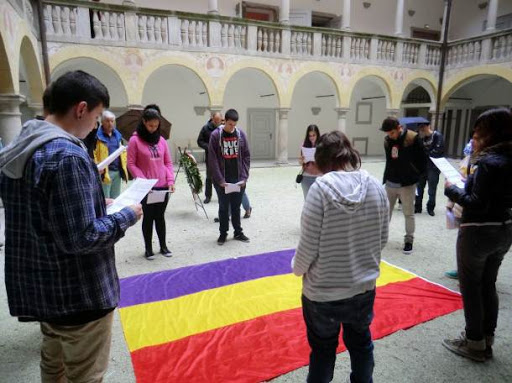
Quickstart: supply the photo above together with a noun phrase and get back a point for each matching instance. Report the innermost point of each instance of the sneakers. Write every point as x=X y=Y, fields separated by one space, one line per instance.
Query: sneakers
x=222 y=239
x=452 y=274
x=471 y=349
x=149 y=255
x=165 y=252
x=242 y=238
x=248 y=213
x=207 y=200
x=407 y=248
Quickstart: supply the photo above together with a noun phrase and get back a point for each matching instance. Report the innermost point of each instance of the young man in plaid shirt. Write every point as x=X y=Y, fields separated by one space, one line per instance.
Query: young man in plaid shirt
x=59 y=252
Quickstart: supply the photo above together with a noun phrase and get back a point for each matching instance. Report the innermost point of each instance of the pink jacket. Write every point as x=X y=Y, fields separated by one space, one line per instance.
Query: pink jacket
x=146 y=161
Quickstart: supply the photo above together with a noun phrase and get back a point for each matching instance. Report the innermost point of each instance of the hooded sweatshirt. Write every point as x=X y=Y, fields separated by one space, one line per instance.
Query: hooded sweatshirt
x=33 y=135
x=344 y=227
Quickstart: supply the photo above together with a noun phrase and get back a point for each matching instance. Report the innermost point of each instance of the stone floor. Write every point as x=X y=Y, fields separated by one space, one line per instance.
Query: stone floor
x=414 y=355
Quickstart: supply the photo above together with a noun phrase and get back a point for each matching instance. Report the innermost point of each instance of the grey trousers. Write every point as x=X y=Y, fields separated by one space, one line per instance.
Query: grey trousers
x=407 y=195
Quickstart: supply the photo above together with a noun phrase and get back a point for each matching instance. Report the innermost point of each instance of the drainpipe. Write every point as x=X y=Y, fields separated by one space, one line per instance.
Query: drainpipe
x=444 y=53
x=44 y=45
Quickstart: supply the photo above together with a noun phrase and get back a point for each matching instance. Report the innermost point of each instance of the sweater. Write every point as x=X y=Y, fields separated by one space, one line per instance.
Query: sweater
x=344 y=227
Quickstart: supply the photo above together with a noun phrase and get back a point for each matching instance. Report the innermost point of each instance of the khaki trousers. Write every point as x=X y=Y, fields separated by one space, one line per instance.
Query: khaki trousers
x=76 y=354
x=407 y=195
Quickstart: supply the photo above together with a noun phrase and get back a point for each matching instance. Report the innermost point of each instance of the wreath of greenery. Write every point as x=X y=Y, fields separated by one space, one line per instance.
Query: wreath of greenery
x=192 y=172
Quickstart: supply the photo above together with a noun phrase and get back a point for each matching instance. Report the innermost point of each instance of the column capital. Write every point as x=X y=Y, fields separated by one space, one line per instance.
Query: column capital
x=215 y=108
x=342 y=112
x=134 y=106
x=283 y=113
x=10 y=103
x=129 y=3
x=393 y=112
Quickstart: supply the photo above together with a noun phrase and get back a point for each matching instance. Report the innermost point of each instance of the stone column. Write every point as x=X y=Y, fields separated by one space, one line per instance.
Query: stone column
x=284 y=12
x=342 y=119
x=436 y=116
x=399 y=18
x=393 y=112
x=345 y=17
x=282 y=145
x=129 y=3
x=213 y=7
x=10 y=116
x=215 y=109
x=492 y=14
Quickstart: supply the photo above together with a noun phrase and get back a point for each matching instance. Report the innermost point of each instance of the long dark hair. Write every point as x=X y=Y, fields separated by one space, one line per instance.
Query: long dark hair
x=307 y=142
x=335 y=152
x=494 y=126
x=151 y=112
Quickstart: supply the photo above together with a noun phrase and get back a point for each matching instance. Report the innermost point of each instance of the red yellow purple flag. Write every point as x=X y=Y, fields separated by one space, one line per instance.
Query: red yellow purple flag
x=240 y=320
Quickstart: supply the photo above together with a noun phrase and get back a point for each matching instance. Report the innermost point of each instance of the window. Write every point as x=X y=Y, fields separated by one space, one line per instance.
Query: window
x=254 y=11
x=325 y=20
x=502 y=22
x=425 y=34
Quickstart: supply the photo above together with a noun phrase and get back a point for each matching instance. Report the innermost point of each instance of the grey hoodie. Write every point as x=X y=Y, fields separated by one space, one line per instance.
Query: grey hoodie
x=344 y=227
x=34 y=134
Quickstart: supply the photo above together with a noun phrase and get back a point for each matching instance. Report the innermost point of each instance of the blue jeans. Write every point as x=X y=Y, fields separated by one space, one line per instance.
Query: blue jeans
x=113 y=189
x=306 y=183
x=323 y=320
x=430 y=177
x=229 y=204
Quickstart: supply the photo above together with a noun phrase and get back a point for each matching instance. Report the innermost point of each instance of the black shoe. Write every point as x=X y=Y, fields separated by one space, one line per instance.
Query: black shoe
x=216 y=220
x=248 y=213
x=407 y=248
x=207 y=200
x=149 y=255
x=222 y=239
x=165 y=251
x=242 y=238
x=431 y=212
x=417 y=210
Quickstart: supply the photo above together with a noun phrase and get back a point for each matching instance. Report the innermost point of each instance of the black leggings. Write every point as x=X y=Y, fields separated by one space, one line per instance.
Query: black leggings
x=154 y=212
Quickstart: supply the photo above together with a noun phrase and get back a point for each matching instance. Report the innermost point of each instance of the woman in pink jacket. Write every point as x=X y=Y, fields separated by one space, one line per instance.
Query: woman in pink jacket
x=149 y=157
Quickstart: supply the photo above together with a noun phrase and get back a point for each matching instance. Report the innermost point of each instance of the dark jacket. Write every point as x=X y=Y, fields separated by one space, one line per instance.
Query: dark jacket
x=405 y=158
x=216 y=161
x=434 y=147
x=487 y=196
x=203 y=140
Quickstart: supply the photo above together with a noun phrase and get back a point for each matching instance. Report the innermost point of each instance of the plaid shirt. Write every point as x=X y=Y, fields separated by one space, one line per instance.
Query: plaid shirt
x=59 y=242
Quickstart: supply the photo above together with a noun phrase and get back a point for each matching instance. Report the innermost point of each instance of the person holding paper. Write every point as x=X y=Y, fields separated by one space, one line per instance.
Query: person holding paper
x=149 y=157
x=60 y=267
x=485 y=232
x=406 y=160
x=203 y=141
x=309 y=169
x=108 y=141
x=229 y=161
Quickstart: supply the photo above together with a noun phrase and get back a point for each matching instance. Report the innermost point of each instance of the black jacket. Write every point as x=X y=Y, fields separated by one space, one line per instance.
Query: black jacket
x=405 y=159
x=203 y=140
x=434 y=147
x=487 y=196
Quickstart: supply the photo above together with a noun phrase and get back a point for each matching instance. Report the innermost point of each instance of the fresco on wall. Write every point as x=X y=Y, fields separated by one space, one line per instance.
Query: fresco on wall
x=215 y=66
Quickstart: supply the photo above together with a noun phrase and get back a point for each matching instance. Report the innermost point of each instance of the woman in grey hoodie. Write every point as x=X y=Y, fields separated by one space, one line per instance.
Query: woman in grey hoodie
x=344 y=227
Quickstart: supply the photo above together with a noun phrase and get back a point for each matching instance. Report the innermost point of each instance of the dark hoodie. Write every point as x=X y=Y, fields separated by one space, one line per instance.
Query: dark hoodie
x=204 y=135
x=487 y=196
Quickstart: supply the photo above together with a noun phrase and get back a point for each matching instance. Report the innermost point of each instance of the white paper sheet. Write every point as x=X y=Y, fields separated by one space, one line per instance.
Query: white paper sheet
x=233 y=188
x=157 y=196
x=107 y=161
x=450 y=173
x=308 y=154
x=133 y=195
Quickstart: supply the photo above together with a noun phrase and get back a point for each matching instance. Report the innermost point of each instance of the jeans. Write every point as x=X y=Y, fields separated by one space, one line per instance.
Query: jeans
x=406 y=195
x=323 y=320
x=154 y=212
x=245 y=202
x=208 y=180
x=480 y=251
x=229 y=204
x=431 y=176
x=306 y=183
x=113 y=189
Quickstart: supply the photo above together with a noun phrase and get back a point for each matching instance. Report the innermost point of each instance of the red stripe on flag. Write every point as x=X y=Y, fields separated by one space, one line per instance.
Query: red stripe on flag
x=272 y=345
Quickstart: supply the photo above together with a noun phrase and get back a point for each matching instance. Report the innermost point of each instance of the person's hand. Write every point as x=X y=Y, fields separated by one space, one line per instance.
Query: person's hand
x=242 y=183
x=109 y=201
x=172 y=188
x=137 y=209
x=223 y=185
x=301 y=160
x=102 y=171
x=447 y=184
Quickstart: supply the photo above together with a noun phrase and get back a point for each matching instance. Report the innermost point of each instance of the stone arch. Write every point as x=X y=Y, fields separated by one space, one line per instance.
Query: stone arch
x=378 y=76
x=253 y=64
x=461 y=78
x=314 y=68
x=6 y=78
x=153 y=66
x=424 y=80
x=32 y=71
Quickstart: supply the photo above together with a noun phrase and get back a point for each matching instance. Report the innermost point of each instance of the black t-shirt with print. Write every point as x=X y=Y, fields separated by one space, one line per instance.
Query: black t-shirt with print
x=229 y=148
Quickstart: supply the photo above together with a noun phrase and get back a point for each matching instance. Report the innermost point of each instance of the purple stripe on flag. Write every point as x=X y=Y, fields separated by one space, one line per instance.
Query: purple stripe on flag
x=171 y=284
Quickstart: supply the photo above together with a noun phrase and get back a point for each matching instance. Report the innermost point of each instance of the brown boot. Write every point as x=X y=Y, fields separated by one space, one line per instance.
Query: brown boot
x=472 y=349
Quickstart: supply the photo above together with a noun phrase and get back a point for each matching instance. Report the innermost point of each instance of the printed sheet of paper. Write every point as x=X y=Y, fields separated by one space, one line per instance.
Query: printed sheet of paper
x=157 y=196
x=309 y=154
x=450 y=173
x=107 y=161
x=133 y=195
x=233 y=188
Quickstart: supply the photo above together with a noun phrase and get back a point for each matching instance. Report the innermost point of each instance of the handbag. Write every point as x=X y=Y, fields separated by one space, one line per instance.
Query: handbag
x=299 y=177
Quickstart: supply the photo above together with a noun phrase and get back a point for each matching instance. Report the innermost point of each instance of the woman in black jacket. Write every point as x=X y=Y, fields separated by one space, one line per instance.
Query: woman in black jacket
x=485 y=233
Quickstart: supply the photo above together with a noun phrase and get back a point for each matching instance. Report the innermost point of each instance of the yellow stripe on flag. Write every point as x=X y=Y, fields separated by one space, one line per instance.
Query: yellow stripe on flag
x=166 y=321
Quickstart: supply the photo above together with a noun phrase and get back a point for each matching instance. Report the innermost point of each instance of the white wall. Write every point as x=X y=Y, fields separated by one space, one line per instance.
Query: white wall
x=467 y=18
x=489 y=91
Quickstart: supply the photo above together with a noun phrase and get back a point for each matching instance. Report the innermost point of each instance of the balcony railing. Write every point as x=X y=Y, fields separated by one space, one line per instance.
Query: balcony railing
x=95 y=23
